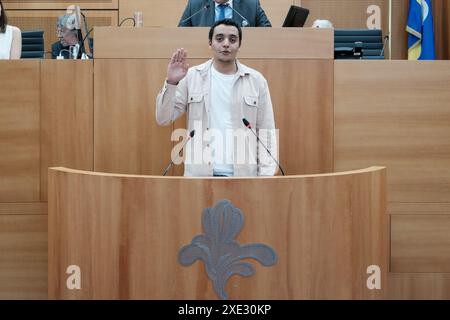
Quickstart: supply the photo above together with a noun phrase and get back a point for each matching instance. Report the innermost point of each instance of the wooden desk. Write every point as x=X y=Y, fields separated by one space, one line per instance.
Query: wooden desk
x=377 y=116
x=125 y=233
x=257 y=43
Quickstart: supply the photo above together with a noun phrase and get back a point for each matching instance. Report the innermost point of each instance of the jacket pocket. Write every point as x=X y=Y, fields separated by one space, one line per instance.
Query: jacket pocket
x=251 y=101
x=195 y=105
x=250 y=108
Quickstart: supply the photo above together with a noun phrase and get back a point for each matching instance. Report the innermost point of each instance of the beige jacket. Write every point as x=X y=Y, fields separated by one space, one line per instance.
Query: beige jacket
x=251 y=100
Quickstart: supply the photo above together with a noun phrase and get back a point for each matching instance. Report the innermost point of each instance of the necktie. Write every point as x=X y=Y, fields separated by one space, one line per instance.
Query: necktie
x=221 y=12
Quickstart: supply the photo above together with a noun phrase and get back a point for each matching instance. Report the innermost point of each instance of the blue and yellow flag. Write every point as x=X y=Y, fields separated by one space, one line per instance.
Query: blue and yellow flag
x=420 y=31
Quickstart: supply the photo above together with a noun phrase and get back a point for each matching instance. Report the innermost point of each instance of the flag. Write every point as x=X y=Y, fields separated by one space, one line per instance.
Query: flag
x=420 y=31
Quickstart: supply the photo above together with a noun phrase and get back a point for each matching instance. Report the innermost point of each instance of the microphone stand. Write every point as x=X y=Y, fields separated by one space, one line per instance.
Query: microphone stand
x=386 y=38
x=244 y=20
x=206 y=7
x=248 y=125
x=191 y=135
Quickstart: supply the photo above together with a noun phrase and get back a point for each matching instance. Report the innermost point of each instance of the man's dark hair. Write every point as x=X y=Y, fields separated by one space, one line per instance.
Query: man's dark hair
x=3 y=19
x=227 y=22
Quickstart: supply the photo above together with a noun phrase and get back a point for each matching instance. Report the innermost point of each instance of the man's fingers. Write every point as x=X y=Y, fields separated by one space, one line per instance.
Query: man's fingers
x=172 y=60
x=178 y=56
x=182 y=55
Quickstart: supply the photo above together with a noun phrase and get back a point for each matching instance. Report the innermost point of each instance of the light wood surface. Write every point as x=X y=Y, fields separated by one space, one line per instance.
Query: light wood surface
x=127 y=138
x=19 y=131
x=257 y=43
x=155 y=13
x=418 y=208
x=419 y=286
x=276 y=10
x=167 y=13
x=302 y=98
x=26 y=208
x=326 y=230
x=420 y=243
x=23 y=258
x=60 y=4
x=399 y=36
x=345 y=14
x=67 y=116
x=387 y=113
x=396 y=114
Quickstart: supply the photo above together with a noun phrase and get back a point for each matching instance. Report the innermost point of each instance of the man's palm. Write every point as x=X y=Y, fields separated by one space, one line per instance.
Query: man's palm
x=178 y=67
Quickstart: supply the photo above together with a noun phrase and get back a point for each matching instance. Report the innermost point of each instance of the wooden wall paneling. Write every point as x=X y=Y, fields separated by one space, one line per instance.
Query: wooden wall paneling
x=399 y=36
x=347 y=14
x=302 y=98
x=276 y=10
x=46 y=20
x=441 y=16
x=135 y=234
x=167 y=13
x=125 y=117
x=258 y=43
x=420 y=243
x=156 y=13
x=178 y=170
x=26 y=208
x=67 y=116
x=19 y=131
x=396 y=114
x=419 y=286
x=23 y=258
x=59 y=4
x=127 y=138
x=418 y=208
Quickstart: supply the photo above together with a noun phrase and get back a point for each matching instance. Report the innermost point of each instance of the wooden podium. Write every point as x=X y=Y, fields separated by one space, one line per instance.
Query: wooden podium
x=257 y=43
x=126 y=233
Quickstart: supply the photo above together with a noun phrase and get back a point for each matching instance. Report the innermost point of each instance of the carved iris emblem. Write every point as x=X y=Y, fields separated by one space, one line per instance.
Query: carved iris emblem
x=220 y=253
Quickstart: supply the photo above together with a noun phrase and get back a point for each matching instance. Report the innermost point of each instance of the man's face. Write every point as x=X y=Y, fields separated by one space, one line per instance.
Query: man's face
x=225 y=43
x=220 y=1
x=68 y=37
x=59 y=32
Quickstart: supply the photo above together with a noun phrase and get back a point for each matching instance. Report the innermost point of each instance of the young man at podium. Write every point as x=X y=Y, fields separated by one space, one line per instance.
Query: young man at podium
x=219 y=96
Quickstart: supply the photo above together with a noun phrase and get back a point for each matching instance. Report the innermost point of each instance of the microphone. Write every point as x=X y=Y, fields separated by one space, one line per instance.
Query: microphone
x=248 y=125
x=386 y=38
x=206 y=7
x=74 y=50
x=244 y=21
x=77 y=14
x=191 y=135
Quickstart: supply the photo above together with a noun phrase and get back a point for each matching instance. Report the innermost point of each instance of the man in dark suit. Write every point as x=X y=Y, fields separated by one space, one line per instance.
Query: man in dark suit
x=204 y=13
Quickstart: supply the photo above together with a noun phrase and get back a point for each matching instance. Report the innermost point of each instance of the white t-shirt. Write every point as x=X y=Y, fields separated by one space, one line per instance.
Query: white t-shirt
x=220 y=121
x=5 y=43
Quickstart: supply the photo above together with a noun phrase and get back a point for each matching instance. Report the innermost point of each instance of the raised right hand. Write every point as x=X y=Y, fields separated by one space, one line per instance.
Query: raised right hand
x=178 y=67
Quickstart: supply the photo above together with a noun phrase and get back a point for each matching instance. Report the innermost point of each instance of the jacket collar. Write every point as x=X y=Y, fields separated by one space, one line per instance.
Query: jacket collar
x=204 y=68
x=231 y=2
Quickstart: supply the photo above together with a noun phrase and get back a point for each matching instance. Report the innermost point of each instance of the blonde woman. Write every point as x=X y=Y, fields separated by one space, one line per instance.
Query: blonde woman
x=10 y=38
